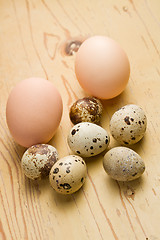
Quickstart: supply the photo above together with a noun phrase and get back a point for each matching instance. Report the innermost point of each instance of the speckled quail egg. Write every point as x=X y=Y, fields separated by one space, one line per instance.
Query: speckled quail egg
x=38 y=160
x=88 y=109
x=88 y=139
x=123 y=164
x=128 y=124
x=68 y=174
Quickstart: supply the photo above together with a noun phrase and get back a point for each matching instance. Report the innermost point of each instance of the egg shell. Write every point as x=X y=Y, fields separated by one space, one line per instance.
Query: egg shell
x=88 y=139
x=102 y=67
x=68 y=174
x=87 y=109
x=123 y=164
x=128 y=124
x=38 y=160
x=33 y=111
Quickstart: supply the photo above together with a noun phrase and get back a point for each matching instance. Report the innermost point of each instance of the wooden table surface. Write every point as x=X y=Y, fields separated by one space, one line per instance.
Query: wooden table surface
x=38 y=38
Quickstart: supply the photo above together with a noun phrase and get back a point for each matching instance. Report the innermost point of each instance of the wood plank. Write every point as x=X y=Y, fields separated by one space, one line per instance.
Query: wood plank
x=33 y=38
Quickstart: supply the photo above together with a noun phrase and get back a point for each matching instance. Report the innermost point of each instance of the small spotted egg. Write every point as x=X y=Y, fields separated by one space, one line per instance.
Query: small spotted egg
x=123 y=164
x=68 y=174
x=128 y=124
x=88 y=109
x=88 y=139
x=38 y=160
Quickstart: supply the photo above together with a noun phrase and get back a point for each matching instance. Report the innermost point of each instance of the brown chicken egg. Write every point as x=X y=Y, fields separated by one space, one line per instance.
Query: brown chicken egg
x=33 y=111
x=102 y=67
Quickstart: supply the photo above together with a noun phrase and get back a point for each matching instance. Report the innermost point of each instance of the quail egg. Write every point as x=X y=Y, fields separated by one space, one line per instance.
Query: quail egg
x=123 y=164
x=128 y=124
x=37 y=160
x=88 y=109
x=88 y=139
x=68 y=174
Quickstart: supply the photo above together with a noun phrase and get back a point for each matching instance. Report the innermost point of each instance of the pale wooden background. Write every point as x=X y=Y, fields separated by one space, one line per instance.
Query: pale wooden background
x=33 y=36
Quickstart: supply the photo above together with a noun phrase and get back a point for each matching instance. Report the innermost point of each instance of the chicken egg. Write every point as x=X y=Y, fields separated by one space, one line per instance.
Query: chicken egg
x=102 y=67
x=33 y=111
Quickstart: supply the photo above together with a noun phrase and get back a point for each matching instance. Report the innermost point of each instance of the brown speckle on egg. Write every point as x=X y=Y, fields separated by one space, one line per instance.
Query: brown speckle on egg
x=106 y=141
x=39 y=148
x=73 y=132
x=47 y=167
x=68 y=170
x=56 y=170
x=88 y=109
x=126 y=119
x=133 y=175
x=65 y=186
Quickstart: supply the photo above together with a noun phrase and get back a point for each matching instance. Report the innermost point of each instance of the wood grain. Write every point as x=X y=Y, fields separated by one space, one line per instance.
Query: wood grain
x=34 y=36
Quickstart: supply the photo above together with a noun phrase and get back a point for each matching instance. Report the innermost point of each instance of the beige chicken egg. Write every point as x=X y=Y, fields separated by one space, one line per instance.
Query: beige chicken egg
x=68 y=174
x=102 y=67
x=38 y=160
x=123 y=164
x=128 y=124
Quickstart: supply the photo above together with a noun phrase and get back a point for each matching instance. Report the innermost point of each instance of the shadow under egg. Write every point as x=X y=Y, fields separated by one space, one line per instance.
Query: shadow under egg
x=116 y=102
x=136 y=184
x=137 y=147
x=66 y=200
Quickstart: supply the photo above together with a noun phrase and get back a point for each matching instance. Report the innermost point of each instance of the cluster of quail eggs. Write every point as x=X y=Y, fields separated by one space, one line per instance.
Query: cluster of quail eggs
x=66 y=175
x=127 y=126
x=86 y=139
